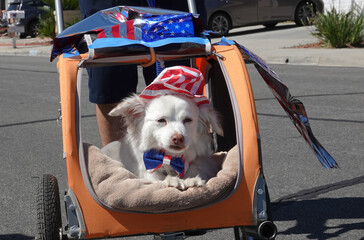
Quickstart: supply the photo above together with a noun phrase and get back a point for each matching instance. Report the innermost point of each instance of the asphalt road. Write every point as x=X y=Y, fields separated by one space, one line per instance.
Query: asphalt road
x=309 y=202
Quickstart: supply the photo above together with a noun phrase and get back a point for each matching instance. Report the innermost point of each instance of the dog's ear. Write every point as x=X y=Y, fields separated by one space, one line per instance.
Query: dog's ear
x=210 y=118
x=131 y=108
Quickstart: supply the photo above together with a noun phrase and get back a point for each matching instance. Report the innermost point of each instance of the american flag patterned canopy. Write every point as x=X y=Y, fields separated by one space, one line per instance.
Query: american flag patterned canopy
x=150 y=28
x=141 y=24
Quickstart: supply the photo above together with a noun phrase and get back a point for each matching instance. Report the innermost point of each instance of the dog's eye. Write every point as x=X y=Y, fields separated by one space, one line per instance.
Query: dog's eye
x=162 y=120
x=187 y=120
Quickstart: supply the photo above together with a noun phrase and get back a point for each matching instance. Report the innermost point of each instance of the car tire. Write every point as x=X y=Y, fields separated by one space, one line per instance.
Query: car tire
x=220 y=23
x=32 y=29
x=270 y=25
x=23 y=35
x=304 y=14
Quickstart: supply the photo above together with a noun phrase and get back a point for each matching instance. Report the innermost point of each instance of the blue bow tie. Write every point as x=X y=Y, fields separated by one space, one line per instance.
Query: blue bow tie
x=154 y=159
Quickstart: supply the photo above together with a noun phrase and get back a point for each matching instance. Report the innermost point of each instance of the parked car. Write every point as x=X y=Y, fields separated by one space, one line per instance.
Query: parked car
x=33 y=10
x=223 y=15
x=3 y=24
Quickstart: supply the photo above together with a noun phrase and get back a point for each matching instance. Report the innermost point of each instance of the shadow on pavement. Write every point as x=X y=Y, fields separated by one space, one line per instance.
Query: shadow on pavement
x=313 y=217
x=263 y=29
x=321 y=218
x=15 y=237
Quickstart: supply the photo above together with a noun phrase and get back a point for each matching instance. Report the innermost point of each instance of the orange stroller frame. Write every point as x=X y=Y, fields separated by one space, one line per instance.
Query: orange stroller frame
x=246 y=208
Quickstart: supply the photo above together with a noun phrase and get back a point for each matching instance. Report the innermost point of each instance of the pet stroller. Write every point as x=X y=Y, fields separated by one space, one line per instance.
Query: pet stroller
x=106 y=206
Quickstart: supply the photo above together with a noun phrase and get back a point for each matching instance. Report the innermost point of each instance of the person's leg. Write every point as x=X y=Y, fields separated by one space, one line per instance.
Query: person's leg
x=110 y=128
x=108 y=86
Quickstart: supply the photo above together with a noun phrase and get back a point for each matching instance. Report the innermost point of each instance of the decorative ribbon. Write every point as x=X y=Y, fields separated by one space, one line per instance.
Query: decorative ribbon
x=292 y=106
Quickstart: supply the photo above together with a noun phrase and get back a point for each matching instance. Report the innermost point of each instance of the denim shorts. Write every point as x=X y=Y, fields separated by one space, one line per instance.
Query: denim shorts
x=111 y=84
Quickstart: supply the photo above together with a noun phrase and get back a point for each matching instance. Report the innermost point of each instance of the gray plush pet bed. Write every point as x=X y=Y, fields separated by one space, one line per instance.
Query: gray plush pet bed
x=120 y=189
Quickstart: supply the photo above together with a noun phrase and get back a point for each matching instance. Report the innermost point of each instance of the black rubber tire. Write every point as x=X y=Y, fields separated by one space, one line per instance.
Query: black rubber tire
x=220 y=23
x=270 y=25
x=23 y=35
x=239 y=234
x=49 y=219
x=304 y=14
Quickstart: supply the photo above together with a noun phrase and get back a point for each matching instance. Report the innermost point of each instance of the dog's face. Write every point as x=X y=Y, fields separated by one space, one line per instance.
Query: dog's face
x=170 y=122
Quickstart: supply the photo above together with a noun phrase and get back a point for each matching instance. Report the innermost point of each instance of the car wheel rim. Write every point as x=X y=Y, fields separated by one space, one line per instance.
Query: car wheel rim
x=220 y=25
x=305 y=14
x=34 y=29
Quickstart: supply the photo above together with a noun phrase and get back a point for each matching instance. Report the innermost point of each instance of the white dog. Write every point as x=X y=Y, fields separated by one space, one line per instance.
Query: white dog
x=174 y=125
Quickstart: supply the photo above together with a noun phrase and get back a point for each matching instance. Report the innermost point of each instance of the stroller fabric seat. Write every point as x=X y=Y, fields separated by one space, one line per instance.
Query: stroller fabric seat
x=120 y=189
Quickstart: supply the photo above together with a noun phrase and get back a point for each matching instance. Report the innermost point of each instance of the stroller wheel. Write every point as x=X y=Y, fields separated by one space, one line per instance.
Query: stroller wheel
x=48 y=209
x=241 y=235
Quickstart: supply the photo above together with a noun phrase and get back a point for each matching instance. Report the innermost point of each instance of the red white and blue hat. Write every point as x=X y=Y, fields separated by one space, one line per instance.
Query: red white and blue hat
x=178 y=80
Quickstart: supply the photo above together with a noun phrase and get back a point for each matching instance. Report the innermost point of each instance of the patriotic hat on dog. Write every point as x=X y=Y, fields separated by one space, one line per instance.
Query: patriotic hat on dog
x=177 y=80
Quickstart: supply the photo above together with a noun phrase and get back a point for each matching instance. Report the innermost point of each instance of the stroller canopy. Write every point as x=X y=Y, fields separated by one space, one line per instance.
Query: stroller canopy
x=133 y=31
x=127 y=34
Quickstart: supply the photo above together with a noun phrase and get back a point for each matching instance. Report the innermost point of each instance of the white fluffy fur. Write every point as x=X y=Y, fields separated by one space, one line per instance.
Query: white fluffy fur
x=154 y=124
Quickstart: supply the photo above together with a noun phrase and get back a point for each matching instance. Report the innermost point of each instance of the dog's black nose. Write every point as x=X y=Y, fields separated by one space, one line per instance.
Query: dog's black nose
x=177 y=139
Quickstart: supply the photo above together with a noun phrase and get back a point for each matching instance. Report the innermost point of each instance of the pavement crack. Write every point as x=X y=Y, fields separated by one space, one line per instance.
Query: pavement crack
x=39 y=121
x=315 y=95
x=315 y=192
x=313 y=118
x=27 y=70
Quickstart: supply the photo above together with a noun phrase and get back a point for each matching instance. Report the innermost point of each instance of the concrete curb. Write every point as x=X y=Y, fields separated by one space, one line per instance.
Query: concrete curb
x=315 y=57
x=35 y=51
x=26 y=44
x=308 y=57
x=40 y=47
x=275 y=47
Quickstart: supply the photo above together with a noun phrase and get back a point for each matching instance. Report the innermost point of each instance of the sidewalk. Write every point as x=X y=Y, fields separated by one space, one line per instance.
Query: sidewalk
x=277 y=46
x=25 y=47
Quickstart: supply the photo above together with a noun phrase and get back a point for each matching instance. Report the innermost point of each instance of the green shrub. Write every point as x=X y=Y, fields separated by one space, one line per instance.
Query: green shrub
x=68 y=24
x=47 y=25
x=339 y=30
x=70 y=5
x=47 y=22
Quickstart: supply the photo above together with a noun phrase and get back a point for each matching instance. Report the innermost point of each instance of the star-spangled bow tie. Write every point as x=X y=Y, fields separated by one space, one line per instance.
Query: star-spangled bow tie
x=154 y=159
